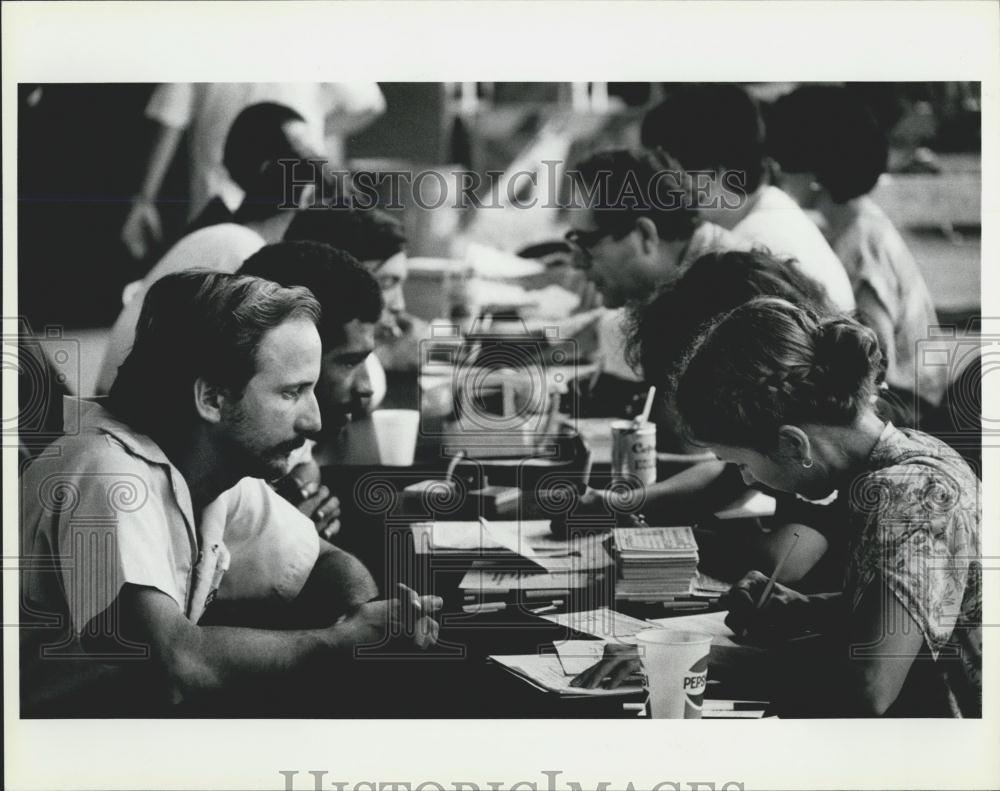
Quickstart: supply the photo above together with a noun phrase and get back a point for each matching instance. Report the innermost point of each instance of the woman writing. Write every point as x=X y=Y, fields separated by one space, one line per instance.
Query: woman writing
x=788 y=398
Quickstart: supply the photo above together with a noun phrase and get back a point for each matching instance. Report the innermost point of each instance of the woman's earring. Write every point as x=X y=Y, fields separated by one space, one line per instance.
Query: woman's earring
x=807 y=463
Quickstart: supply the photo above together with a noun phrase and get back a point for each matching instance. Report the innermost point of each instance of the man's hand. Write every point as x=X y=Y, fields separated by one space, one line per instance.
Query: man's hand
x=324 y=509
x=784 y=614
x=618 y=663
x=410 y=614
x=302 y=487
x=142 y=228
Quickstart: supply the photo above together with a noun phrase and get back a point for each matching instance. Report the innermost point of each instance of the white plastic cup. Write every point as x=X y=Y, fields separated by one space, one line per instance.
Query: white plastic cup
x=396 y=435
x=676 y=668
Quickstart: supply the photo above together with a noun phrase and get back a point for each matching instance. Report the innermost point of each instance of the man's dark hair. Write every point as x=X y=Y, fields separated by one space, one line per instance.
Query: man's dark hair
x=829 y=131
x=621 y=186
x=198 y=324
x=659 y=331
x=342 y=286
x=255 y=144
x=710 y=126
x=367 y=234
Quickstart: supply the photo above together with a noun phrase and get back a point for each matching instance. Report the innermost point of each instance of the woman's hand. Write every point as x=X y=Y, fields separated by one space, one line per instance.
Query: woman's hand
x=618 y=663
x=785 y=613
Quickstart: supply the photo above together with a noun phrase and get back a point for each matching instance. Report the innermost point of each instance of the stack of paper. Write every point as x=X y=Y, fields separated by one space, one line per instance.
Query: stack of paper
x=704 y=586
x=655 y=563
x=527 y=539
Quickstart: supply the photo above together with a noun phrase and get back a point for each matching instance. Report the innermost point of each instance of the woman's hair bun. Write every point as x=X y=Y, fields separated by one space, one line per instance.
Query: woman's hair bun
x=846 y=357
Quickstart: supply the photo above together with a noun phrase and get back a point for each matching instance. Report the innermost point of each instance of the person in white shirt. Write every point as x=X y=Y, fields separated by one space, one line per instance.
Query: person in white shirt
x=832 y=151
x=205 y=112
x=159 y=550
x=717 y=134
x=261 y=135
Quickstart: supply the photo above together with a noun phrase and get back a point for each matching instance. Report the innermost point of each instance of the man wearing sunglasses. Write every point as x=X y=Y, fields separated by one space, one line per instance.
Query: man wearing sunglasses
x=636 y=228
x=636 y=225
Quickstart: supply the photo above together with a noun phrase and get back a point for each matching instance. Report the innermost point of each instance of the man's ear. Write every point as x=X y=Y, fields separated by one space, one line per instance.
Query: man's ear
x=794 y=443
x=648 y=235
x=208 y=400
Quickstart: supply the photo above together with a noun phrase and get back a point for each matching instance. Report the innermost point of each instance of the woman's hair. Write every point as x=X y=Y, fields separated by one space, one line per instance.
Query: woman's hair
x=343 y=287
x=829 y=131
x=769 y=363
x=367 y=234
x=661 y=330
x=198 y=325
x=621 y=186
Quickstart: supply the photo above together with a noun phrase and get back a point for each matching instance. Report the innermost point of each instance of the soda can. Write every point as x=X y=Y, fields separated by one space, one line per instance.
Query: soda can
x=633 y=450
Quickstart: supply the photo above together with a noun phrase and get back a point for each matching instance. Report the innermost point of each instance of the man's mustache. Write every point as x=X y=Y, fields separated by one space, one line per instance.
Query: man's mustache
x=291 y=445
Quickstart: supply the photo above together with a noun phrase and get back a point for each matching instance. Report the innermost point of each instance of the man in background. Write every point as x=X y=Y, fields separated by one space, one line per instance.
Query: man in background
x=635 y=228
x=205 y=112
x=716 y=132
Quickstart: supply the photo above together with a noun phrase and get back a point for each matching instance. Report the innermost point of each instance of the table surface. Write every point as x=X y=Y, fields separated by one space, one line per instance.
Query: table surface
x=456 y=679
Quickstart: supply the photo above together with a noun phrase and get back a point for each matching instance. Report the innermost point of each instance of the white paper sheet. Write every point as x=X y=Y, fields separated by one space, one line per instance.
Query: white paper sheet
x=603 y=623
x=547 y=672
x=483 y=580
x=713 y=623
x=575 y=656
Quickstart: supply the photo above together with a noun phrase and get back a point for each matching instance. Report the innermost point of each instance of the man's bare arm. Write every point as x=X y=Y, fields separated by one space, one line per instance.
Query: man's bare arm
x=206 y=658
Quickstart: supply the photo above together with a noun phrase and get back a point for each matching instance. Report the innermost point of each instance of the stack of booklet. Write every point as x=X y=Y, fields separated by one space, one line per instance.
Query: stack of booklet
x=518 y=559
x=655 y=564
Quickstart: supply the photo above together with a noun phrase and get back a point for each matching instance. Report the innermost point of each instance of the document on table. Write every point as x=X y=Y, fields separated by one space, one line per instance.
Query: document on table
x=603 y=623
x=488 y=580
x=575 y=656
x=529 y=539
x=452 y=536
x=713 y=623
x=511 y=536
x=519 y=537
x=546 y=672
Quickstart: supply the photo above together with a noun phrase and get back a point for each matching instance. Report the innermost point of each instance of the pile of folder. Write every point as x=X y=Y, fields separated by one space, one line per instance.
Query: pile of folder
x=655 y=564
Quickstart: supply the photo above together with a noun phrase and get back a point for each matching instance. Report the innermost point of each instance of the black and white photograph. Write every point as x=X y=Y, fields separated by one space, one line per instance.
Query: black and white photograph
x=544 y=410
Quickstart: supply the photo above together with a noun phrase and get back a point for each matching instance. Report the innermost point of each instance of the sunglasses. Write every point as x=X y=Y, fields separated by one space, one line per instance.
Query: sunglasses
x=582 y=241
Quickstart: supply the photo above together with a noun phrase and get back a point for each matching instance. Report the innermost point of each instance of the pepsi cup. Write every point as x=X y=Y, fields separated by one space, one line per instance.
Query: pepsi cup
x=676 y=668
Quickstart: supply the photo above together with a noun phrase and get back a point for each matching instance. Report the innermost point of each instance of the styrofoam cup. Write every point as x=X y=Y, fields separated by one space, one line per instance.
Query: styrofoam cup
x=676 y=668
x=396 y=435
